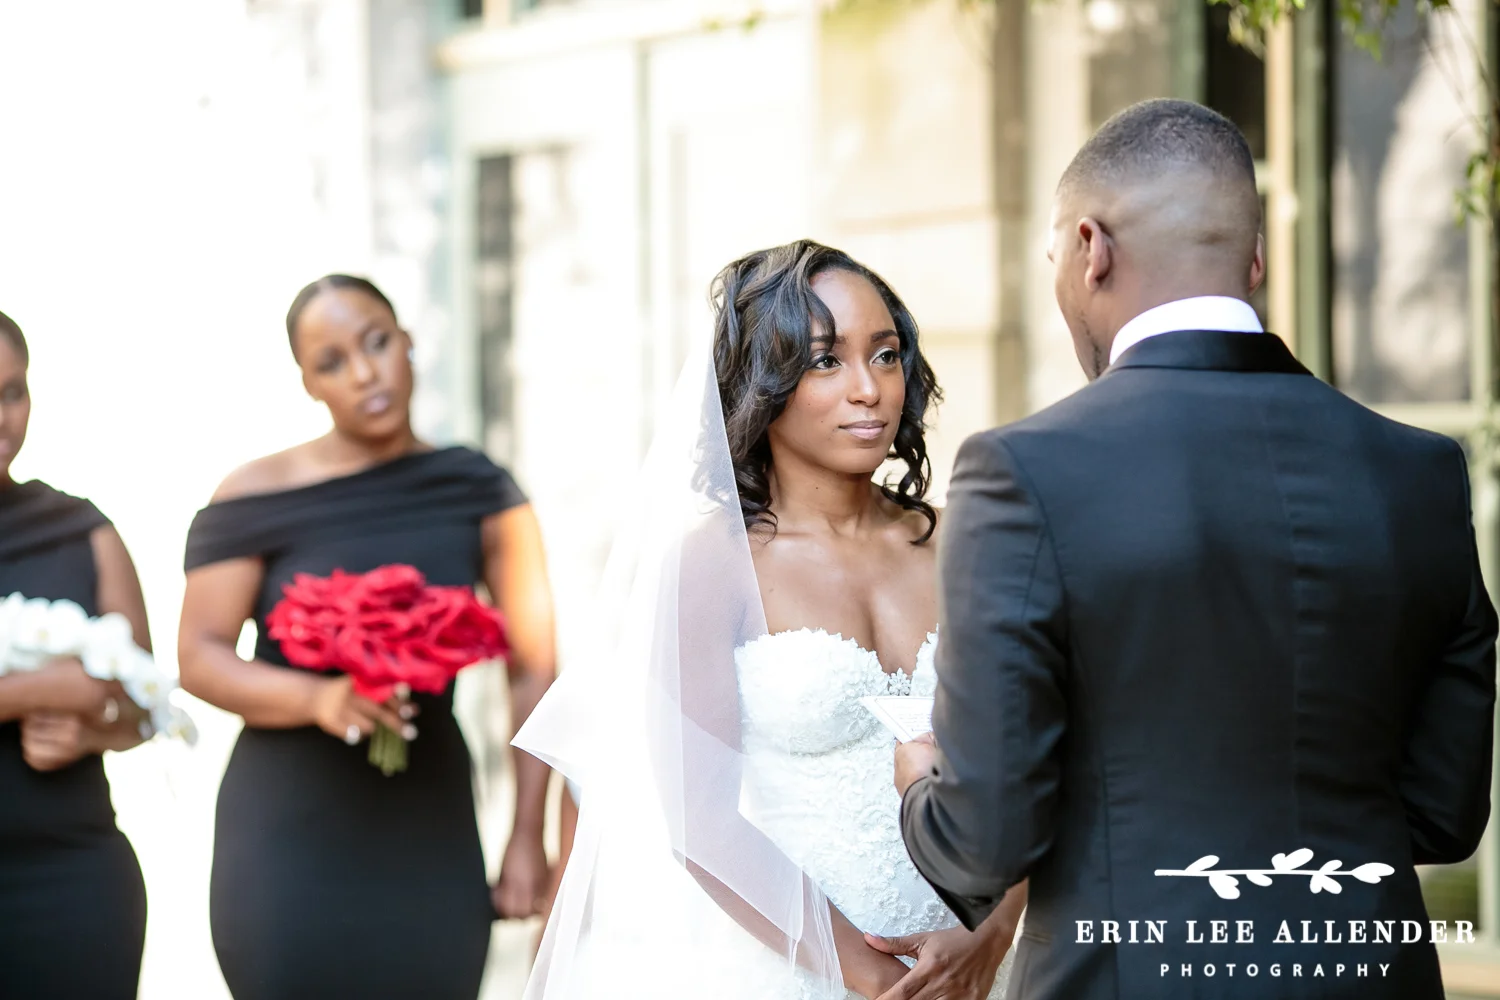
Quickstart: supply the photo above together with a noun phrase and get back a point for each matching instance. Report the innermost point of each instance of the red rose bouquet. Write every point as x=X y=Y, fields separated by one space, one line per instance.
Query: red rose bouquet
x=388 y=630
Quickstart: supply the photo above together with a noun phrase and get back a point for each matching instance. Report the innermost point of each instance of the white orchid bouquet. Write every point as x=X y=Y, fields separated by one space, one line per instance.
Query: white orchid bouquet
x=34 y=631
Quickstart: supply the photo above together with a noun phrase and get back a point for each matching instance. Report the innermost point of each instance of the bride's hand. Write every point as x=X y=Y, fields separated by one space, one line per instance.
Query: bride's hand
x=872 y=974
x=953 y=964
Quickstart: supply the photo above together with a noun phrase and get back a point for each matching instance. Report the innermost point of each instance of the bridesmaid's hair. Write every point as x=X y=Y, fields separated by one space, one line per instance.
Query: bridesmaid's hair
x=11 y=333
x=327 y=283
x=765 y=314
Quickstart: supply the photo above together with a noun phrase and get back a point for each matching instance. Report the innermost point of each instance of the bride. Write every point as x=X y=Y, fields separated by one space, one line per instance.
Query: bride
x=738 y=831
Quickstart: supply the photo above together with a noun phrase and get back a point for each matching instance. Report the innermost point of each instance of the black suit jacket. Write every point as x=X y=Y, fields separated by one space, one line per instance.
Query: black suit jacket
x=1207 y=606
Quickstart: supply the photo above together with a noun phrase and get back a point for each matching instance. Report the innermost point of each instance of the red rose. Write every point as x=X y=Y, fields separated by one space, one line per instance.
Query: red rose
x=395 y=586
x=384 y=628
x=306 y=637
x=472 y=632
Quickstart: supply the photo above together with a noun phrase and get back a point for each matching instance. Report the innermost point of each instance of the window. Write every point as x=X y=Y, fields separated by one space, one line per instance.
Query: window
x=494 y=273
x=471 y=8
x=1401 y=136
x=1234 y=80
x=1406 y=327
x=1130 y=44
x=1234 y=84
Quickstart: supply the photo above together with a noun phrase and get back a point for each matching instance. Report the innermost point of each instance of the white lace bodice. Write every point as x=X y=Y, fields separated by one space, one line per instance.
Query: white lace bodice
x=819 y=774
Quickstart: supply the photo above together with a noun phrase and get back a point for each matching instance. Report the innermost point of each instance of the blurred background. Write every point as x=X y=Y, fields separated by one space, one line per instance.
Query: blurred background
x=545 y=187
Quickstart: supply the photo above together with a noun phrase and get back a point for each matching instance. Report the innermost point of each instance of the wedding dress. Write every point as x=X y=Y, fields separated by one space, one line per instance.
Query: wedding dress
x=819 y=775
x=733 y=788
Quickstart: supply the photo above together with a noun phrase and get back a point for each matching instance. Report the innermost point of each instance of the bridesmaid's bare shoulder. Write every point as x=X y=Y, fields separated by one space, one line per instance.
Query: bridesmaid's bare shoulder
x=268 y=474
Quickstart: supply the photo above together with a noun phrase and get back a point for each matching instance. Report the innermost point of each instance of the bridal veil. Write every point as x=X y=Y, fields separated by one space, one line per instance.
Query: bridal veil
x=672 y=890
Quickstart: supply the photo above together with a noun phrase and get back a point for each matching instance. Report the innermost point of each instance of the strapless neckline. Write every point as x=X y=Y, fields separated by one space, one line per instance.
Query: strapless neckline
x=870 y=655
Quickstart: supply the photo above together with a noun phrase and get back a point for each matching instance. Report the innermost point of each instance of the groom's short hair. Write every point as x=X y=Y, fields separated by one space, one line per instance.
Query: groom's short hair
x=1153 y=136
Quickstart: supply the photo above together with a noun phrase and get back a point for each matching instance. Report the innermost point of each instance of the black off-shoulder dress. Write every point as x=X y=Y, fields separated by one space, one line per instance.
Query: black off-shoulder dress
x=72 y=903
x=329 y=878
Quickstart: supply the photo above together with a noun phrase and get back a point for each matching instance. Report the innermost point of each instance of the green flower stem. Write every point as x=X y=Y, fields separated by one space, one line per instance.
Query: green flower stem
x=388 y=751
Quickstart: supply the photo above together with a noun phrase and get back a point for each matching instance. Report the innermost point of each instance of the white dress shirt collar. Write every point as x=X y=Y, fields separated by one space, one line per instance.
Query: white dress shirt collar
x=1205 y=312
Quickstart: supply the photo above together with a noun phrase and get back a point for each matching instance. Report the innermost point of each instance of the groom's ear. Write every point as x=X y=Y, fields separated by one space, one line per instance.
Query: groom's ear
x=1098 y=250
x=1258 y=264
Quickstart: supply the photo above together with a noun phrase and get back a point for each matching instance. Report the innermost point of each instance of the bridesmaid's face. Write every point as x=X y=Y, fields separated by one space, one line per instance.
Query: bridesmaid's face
x=355 y=360
x=844 y=414
x=15 y=404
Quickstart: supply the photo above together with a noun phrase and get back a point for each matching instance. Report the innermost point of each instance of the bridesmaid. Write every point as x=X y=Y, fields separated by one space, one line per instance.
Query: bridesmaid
x=72 y=903
x=330 y=879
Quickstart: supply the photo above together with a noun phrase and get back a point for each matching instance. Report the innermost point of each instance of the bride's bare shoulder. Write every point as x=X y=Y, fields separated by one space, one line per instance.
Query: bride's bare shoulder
x=915 y=526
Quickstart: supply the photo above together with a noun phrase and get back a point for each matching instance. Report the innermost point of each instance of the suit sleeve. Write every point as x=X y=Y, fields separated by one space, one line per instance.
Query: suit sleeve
x=1445 y=779
x=985 y=817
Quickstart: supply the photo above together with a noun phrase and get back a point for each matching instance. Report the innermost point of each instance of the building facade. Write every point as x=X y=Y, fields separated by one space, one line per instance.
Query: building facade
x=547 y=188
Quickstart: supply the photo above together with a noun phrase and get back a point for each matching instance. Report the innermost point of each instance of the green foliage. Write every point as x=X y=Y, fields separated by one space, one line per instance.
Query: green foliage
x=1481 y=194
x=1364 y=21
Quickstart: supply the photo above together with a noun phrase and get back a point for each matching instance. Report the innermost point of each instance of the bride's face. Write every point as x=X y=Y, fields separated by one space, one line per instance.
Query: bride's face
x=844 y=414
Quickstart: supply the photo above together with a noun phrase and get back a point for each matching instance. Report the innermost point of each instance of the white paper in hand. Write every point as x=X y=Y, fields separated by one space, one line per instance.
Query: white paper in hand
x=906 y=717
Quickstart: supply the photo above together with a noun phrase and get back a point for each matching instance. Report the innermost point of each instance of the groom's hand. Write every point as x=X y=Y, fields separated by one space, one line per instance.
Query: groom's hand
x=951 y=965
x=914 y=759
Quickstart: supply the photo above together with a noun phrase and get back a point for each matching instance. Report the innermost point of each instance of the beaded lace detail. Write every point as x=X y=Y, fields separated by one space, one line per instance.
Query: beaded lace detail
x=819 y=777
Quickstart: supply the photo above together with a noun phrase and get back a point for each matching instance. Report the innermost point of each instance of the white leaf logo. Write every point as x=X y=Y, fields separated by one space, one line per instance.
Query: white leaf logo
x=1227 y=886
x=1322 y=879
x=1372 y=872
x=1322 y=883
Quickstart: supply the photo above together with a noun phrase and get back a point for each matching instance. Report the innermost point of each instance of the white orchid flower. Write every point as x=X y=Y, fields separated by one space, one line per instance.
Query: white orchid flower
x=37 y=630
x=109 y=648
x=33 y=634
x=174 y=722
x=67 y=625
x=182 y=728
x=10 y=610
x=42 y=630
x=145 y=682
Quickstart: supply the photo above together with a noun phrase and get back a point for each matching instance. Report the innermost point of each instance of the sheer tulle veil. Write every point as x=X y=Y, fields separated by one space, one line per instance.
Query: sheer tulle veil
x=672 y=891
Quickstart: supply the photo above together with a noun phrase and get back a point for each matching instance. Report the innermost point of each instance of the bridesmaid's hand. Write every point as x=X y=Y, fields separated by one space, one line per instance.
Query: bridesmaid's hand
x=65 y=687
x=957 y=963
x=521 y=890
x=51 y=741
x=341 y=713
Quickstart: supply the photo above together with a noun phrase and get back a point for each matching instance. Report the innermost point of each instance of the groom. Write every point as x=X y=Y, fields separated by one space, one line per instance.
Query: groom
x=1203 y=620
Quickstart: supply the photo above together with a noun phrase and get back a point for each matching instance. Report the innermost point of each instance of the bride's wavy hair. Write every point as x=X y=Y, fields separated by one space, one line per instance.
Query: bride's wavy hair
x=765 y=317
